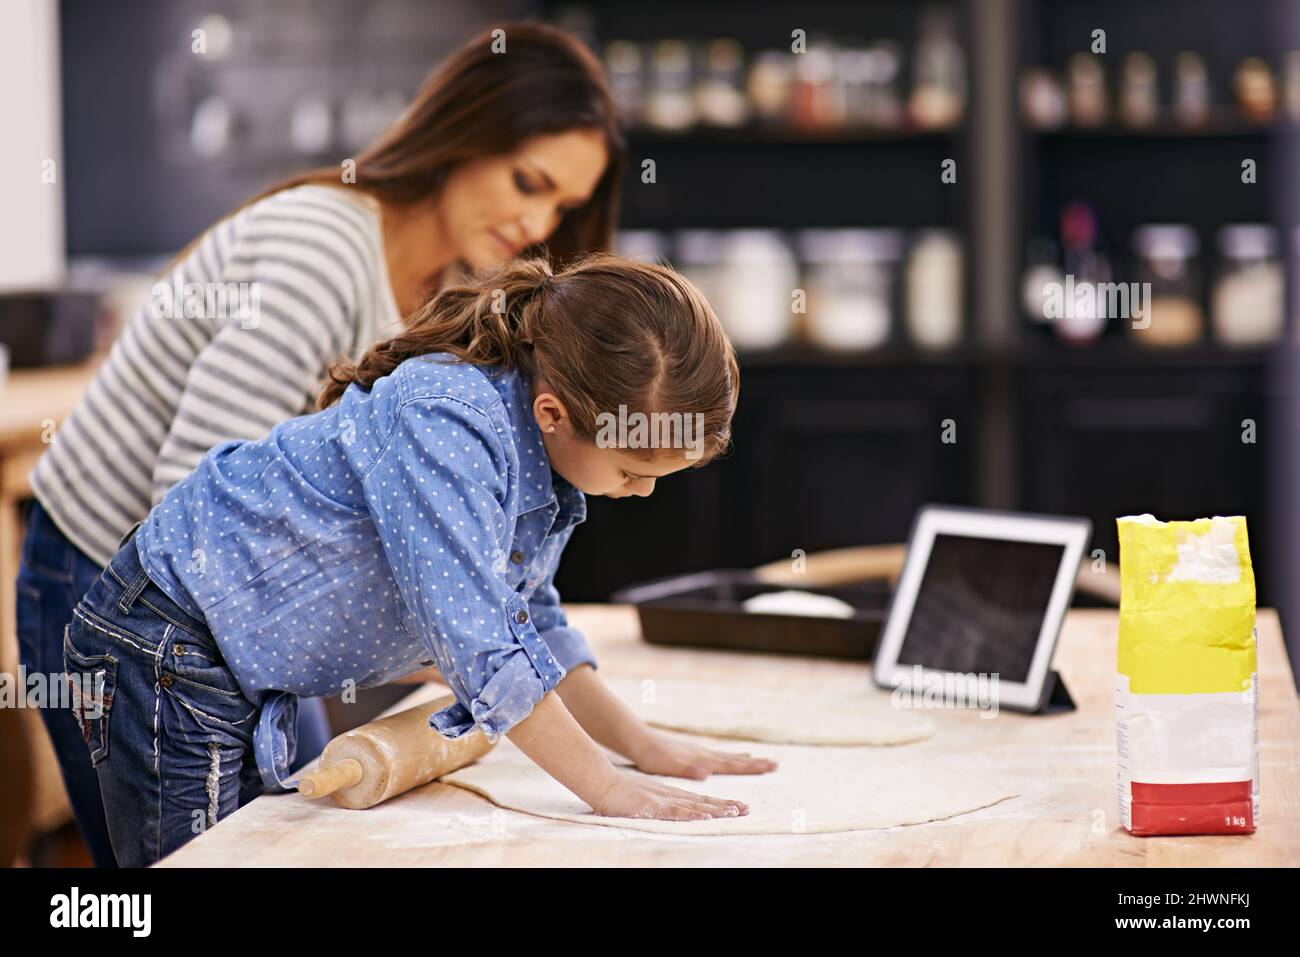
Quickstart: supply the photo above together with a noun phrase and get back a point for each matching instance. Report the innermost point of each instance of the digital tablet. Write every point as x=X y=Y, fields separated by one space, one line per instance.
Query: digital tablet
x=982 y=593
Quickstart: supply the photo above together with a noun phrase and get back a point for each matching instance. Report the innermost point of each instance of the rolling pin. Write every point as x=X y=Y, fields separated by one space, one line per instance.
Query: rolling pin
x=388 y=756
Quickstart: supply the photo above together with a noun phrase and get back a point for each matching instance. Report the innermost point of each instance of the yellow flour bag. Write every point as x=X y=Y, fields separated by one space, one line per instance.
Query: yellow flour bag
x=1187 y=690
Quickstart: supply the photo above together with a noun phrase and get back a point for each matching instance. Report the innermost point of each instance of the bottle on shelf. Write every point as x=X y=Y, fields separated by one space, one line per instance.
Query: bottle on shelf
x=1086 y=86
x=817 y=100
x=1166 y=264
x=1042 y=275
x=1191 y=90
x=770 y=86
x=1042 y=99
x=883 y=102
x=1256 y=90
x=1139 y=97
x=939 y=75
x=1291 y=86
x=1083 y=316
x=934 y=287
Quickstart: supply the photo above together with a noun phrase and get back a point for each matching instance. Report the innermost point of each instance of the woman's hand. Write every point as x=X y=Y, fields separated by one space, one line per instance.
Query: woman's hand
x=659 y=754
x=629 y=796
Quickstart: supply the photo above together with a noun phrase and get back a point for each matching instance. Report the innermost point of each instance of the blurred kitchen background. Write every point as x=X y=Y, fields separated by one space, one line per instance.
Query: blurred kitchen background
x=824 y=172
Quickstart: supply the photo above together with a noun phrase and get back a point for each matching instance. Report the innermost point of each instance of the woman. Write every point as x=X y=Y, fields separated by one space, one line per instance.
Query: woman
x=498 y=153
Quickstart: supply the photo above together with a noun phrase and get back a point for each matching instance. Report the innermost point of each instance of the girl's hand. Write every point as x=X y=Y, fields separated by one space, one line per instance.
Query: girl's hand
x=628 y=796
x=660 y=754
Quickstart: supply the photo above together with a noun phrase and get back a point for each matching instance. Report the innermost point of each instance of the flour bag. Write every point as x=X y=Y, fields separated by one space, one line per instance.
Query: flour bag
x=1187 y=692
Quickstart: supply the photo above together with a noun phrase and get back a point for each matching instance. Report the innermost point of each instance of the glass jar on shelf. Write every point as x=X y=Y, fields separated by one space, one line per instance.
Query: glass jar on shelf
x=644 y=245
x=771 y=76
x=851 y=282
x=719 y=95
x=669 y=104
x=624 y=66
x=755 y=280
x=699 y=259
x=1166 y=265
x=1247 y=302
x=883 y=101
x=817 y=97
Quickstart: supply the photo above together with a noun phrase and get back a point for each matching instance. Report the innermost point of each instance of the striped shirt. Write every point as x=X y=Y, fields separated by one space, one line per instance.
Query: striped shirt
x=236 y=339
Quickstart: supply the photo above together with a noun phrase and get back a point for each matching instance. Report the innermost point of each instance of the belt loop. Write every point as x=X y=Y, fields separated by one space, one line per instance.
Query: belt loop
x=129 y=535
x=133 y=592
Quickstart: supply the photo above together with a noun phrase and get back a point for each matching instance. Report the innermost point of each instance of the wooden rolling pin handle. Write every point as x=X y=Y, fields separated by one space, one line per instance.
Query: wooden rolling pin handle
x=325 y=781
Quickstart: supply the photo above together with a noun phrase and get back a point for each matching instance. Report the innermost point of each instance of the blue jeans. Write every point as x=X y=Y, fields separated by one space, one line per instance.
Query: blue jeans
x=163 y=720
x=52 y=578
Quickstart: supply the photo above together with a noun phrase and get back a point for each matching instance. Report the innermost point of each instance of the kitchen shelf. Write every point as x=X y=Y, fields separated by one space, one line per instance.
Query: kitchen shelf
x=754 y=134
x=1169 y=131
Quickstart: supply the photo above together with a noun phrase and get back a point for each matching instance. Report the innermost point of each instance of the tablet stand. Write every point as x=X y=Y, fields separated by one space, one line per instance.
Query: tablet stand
x=1056 y=700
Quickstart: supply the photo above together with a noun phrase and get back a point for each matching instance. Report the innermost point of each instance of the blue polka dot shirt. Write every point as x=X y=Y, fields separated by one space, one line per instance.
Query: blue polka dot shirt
x=418 y=523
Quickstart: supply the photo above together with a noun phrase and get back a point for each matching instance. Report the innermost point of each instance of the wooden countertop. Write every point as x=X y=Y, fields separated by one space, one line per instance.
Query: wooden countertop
x=31 y=396
x=1062 y=765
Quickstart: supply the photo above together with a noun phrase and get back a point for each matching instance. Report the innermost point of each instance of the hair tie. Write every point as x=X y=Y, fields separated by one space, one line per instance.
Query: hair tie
x=546 y=284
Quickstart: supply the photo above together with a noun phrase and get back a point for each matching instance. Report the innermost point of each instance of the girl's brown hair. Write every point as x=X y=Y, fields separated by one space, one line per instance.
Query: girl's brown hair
x=483 y=103
x=605 y=332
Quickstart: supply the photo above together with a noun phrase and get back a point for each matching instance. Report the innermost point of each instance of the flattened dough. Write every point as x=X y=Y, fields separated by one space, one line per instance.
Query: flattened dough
x=813 y=790
x=772 y=714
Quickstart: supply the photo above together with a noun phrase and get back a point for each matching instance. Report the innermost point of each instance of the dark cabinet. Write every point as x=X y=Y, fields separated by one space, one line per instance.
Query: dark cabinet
x=1120 y=438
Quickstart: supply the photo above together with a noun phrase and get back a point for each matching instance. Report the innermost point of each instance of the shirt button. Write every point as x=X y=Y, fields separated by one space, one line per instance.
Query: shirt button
x=521 y=616
x=516 y=556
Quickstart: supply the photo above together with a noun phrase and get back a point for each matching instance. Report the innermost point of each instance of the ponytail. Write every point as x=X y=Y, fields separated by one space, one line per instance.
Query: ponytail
x=490 y=323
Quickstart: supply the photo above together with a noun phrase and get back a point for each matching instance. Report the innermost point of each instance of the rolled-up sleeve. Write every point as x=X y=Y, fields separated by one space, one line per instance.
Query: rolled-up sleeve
x=437 y=494
x=567 y=644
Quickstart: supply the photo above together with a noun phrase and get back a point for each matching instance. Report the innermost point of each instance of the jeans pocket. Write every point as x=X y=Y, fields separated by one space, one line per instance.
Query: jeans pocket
x=195 y=674
x=91 y=680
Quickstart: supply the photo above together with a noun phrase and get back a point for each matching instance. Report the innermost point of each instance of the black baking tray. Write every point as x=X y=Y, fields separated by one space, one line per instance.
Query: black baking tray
x=703 y=610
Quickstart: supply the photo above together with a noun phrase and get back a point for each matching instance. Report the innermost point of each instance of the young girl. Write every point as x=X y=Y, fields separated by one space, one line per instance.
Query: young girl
x=417 y=520
x=497 y=153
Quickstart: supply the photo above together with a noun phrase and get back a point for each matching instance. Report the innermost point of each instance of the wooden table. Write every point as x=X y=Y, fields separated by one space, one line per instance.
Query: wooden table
x=33 y=404
x=1062 y=765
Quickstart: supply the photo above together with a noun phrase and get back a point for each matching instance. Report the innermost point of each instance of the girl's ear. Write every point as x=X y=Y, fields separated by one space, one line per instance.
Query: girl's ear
x=547 y=402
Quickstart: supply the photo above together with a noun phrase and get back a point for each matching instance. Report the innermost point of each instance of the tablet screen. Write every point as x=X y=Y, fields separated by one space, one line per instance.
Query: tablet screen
x=981 y=605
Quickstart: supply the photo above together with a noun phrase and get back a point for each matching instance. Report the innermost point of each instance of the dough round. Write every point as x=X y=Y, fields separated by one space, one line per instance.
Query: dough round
x=813 y=790
x=772 y=714
x=794 y=602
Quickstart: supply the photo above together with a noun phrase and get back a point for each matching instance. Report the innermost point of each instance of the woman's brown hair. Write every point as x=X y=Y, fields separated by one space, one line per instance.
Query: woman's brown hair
x=605 y=332
x=484 y=103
